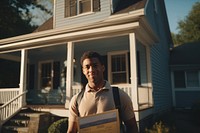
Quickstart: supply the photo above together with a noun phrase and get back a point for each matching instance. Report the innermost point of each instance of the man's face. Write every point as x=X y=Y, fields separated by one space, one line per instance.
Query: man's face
x=93 y=70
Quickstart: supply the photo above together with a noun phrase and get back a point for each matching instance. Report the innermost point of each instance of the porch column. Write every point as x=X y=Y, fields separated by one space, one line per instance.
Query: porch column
x=133 y=64
x=69 y=74
x=23 y=73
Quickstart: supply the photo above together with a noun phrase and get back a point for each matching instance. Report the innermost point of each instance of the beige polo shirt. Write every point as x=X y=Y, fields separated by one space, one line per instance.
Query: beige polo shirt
x=94 y=102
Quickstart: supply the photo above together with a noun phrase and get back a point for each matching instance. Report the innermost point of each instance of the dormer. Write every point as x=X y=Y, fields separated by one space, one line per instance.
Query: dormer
x=75 y=12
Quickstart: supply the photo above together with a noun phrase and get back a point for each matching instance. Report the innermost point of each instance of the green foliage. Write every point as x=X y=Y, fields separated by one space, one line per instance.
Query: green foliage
x=158 y=127
x=189 y=28
x=16 y=17
x=59 y=126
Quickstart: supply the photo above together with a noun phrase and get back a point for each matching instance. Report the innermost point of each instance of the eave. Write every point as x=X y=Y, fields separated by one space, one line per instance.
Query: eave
x=114 y=25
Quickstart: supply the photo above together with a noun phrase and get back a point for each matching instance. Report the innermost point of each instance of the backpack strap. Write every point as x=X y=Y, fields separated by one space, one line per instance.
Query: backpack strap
x=78 y=99
x=116 y=98
x=118 y=106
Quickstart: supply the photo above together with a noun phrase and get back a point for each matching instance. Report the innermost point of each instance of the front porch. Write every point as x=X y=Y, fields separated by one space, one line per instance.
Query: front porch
x=50 y=72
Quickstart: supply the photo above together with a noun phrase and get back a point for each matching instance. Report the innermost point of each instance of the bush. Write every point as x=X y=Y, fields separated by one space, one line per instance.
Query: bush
x=59 y=126
x=158 y=127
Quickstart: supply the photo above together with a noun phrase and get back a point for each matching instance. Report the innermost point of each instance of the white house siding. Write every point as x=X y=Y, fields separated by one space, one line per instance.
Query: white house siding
x=62 y=21
x=160 y=57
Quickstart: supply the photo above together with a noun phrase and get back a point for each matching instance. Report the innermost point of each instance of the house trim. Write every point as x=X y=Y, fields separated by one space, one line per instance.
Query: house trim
x=111 y=26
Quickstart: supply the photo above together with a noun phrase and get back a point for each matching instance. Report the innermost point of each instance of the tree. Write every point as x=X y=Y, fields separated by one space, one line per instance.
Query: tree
x=189 y=28
x=16 y=16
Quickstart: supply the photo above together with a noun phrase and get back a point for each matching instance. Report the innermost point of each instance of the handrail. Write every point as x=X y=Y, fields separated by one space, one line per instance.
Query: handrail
x=11 y=107
x=13 y=99
x=7 y=94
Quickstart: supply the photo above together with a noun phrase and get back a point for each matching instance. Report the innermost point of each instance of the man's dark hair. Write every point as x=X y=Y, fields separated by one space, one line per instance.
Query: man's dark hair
x=91 y=54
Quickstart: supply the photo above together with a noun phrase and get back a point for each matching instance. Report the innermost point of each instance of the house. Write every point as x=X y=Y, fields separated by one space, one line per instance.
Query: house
x=185 y=68
x=42 y=68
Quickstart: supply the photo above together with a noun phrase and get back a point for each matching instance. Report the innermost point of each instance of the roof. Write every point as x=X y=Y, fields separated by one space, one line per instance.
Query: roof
x=47 y=25
x=129 y=5
x=186 y=54
x=123 y=7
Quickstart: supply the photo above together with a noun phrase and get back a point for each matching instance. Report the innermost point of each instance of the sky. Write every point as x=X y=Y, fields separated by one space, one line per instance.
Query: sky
x=177 y=10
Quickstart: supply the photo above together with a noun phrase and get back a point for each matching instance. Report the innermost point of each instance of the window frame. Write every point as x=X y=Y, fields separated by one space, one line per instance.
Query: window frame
x=186 y=72
x=110 y=73
x=95 y=6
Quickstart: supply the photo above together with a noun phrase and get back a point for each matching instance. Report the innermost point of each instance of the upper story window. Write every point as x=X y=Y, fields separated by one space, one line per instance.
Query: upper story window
x=76 y=7
x=184 y=79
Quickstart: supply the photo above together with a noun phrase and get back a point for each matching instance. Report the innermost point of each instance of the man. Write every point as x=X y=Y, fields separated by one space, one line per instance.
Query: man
x=98 y=96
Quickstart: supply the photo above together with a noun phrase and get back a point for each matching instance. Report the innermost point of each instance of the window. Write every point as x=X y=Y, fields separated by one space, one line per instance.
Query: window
x=179 y=79
x=118 y=68
x=84 y=6
x=46 y=74
x=76 y=7
x=192 y=79
x=183 y=79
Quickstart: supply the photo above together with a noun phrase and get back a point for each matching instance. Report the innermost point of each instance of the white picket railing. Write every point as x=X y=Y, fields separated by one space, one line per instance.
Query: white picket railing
x=126 y=88
x=7 y=94
x=8 y=109
x=144 y=93
x=145 y=99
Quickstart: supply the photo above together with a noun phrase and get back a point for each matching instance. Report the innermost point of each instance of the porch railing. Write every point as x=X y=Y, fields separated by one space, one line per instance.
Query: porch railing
x=12 y=106
x=7 y=94
x=126 y=88
x=145 y=99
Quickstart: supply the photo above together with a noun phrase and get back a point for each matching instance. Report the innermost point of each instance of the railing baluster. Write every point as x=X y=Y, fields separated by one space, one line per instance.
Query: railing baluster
x=12 y=105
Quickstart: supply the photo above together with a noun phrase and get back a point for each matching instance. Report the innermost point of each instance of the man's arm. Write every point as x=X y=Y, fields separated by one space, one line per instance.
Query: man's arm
x=72 y=127
x=131 y=126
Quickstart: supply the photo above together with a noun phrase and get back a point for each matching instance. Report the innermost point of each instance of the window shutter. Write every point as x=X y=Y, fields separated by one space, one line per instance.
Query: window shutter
x=96 y=5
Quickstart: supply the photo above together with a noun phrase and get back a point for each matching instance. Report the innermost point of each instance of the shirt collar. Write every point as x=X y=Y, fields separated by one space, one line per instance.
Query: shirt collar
x=107 y=86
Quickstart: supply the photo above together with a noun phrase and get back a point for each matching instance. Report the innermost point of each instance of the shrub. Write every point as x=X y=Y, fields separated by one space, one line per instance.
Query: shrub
x=158 y=127
x=59 y=126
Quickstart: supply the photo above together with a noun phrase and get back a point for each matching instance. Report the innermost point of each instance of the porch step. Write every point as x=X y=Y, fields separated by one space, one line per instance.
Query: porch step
x=15 y=129
x=20 y=122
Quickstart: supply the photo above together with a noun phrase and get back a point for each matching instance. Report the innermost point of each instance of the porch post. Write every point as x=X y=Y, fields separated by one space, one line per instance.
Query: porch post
x=133 y=64
x=23 y=73
x=69 y=74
